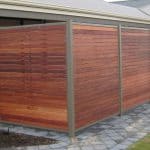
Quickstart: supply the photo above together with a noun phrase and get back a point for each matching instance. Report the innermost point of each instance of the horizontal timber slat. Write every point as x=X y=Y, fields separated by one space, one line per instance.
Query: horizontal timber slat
x=96 y=73
x=33 y=87
x=136 y=67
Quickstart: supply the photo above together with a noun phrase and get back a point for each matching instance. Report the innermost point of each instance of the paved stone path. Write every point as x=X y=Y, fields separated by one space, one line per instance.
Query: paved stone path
x=113 y=134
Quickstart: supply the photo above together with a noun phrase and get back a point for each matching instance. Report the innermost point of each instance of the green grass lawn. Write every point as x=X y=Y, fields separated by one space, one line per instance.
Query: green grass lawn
x=143 y=144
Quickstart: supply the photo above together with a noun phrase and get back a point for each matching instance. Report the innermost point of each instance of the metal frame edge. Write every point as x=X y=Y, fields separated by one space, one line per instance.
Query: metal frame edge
x=32 y=126
x=120 y=69
x=70 y=80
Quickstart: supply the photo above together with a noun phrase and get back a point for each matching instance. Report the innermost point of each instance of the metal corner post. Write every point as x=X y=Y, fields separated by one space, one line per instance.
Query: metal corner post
x=70 y=80
x=120 y=69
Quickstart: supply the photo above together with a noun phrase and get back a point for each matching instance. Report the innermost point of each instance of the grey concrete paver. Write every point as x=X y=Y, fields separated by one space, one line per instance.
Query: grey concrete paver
x=100 y=147
x=44 y=147
x=89 y=147
x=32 y=148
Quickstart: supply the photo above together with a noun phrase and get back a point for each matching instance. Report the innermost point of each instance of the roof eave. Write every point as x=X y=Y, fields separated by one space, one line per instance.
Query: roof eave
x=35 y=7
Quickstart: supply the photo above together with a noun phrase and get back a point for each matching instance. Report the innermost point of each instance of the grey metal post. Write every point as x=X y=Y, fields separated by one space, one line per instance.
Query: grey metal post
x=70 y=81
x=120 y=69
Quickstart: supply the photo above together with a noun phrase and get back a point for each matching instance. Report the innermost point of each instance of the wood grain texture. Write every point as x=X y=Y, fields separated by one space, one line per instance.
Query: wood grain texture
x=136 y=67
x=96 y=73
x=33 y=76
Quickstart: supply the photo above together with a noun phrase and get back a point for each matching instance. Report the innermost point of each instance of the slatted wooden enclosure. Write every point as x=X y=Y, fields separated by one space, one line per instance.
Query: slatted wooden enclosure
x=66 y=76
x=96 y=73
x=136 y=67
x=33 y=76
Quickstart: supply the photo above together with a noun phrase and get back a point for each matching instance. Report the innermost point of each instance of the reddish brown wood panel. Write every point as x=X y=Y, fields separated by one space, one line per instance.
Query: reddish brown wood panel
x=96 y=73
x=33 y=76
x=136 y=66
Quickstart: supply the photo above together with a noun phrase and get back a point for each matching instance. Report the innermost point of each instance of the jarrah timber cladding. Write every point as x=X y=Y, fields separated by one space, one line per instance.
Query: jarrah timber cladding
x=33 y=76
x=36 y=71
x=96 y=73
x=136 y=67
